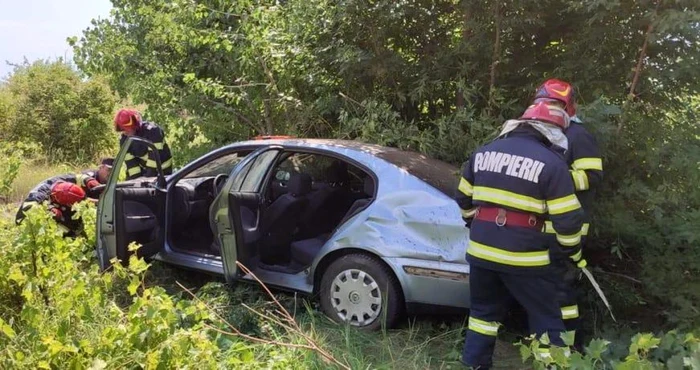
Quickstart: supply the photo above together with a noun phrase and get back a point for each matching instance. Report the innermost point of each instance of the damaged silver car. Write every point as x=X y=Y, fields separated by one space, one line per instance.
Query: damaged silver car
x=372 y=232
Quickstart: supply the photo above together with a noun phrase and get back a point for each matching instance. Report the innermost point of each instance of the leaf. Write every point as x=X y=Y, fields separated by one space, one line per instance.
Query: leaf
x=596 y=348
x=7 y=329
x=568 y=337
x=134 y=285
x=525 y=352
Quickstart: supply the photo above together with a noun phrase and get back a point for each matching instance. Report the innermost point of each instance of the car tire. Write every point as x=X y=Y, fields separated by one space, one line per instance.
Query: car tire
x=360 y=290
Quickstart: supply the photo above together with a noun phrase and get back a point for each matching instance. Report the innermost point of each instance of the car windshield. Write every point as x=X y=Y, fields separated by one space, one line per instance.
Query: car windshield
x=219 y=166
x=442 y=176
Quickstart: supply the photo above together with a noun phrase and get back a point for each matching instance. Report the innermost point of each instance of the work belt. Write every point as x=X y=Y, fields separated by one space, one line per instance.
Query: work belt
x=502 y=217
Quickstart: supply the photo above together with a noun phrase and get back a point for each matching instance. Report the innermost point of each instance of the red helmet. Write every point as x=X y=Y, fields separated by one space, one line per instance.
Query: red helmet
x=127 y=119
x=558 y=90
x=66 y=193
x=547 y=113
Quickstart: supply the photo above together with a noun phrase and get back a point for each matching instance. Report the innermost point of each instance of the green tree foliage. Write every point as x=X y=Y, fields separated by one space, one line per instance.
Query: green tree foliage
x=49 y=104
x=439 y=77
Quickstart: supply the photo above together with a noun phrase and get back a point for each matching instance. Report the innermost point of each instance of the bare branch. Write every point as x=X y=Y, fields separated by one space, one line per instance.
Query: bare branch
x=643 y=52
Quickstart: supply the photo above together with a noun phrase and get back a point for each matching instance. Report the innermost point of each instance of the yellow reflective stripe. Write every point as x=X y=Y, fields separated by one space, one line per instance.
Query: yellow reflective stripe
x=588 y=164
x=167 y=163
x=577 y=256
x=144 y=157
x=569 y=240
x=584 y=229
x=468 y=213
x=562 y=205
x=465 y=187
x=509 y=199
x=158 y=146
x=525 y=259
x=580 y=179
x=129 y=156
x=549 y=228
x=483 y=327
x=133 y=171
x=151 y=163
x=569 y=312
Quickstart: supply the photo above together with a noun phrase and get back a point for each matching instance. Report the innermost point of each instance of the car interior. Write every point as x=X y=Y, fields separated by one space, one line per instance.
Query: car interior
x=283 y=212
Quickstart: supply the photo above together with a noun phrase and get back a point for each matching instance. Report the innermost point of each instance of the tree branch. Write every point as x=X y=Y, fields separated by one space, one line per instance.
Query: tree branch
x=643 y=52
x=495 y=58
x=238 y=114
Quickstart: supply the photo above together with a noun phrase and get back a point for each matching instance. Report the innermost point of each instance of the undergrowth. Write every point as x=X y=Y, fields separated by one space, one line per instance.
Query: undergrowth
x=57 y=310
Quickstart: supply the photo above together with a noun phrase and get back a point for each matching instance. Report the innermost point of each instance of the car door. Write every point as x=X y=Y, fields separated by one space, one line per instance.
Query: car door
x=130 y=212
x=235 y=213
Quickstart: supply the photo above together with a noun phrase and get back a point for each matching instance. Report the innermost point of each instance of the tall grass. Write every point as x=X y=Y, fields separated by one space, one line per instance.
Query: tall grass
x=32 y=173
x=426 y=342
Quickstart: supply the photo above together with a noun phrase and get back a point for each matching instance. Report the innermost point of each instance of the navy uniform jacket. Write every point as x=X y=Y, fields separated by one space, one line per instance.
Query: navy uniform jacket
x=519 y=172
x=42 y=193
x=142 y=162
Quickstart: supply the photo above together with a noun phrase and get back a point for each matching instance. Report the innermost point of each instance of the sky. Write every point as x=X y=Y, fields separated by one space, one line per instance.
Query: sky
x=37 y=29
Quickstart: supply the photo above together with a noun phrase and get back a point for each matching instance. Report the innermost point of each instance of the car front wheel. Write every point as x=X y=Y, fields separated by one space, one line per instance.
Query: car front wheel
x=359 y=290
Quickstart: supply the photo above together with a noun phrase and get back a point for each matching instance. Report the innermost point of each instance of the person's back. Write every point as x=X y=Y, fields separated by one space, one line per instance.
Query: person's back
x=522 y=174
x=140 y=161
x=508 y=190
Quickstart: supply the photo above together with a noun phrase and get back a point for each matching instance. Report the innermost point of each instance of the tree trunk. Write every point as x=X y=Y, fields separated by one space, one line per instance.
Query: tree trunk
x=642 y=53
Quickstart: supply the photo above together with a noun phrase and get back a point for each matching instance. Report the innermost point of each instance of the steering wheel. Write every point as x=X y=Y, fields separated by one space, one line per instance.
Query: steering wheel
x=218 y=183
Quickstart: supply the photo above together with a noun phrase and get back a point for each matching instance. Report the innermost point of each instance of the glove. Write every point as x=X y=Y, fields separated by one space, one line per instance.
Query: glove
x=91 y=183
x=57 y=214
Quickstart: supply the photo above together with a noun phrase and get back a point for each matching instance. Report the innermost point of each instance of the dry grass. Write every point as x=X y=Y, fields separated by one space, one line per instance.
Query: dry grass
x=31 y=174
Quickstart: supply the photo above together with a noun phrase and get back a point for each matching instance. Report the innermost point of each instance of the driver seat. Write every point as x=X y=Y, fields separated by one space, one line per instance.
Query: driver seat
x=281 y=218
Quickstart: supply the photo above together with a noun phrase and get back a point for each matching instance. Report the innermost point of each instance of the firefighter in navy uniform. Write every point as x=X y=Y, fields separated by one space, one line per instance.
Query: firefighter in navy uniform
x=141 y=162
x=508 y=189
x=586 y=168
x=62 y=191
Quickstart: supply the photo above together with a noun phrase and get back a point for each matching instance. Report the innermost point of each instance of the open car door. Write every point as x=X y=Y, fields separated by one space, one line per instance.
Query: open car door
x=234 y=215
x=131 y=211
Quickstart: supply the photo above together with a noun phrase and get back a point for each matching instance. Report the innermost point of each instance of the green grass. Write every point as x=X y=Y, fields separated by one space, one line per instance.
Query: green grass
x=418 y=343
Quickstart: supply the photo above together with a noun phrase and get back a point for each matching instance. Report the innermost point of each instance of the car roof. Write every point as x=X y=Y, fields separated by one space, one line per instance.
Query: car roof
x=441 y=175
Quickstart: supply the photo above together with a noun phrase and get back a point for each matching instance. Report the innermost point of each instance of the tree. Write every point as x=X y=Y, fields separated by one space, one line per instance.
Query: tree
x=49 y=104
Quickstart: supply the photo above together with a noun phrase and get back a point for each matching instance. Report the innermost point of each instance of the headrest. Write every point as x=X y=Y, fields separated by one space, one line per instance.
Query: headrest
x=337 y=172
x=299 y=184
x=369 y=186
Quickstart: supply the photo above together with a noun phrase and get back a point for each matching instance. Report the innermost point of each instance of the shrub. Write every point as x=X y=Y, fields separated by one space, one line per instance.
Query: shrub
x=49 y=104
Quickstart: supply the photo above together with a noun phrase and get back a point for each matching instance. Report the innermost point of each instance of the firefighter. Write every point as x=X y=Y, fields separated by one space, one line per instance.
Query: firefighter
x=139 y=160
x=586 y=168
x=507 y=190
x=73 y=188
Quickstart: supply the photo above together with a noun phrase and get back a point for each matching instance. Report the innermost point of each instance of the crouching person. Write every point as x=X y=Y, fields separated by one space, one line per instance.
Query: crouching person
x=62 y=192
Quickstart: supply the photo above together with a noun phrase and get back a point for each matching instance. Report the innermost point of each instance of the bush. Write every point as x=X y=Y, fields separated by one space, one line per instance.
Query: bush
x=672 y=350
x=57 y=310
x=49 y=104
